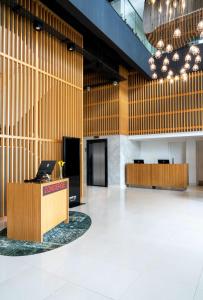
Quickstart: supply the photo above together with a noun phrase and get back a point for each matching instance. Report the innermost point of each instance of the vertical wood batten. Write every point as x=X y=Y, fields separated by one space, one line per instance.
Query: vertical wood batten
x=36 y=93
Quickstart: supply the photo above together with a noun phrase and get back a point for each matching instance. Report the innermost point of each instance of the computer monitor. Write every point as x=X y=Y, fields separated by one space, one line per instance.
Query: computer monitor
x=163 y=161
x=138 y=161
x=46 y=167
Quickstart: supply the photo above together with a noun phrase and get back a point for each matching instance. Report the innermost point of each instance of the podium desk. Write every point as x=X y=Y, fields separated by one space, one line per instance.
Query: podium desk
x=33 y=208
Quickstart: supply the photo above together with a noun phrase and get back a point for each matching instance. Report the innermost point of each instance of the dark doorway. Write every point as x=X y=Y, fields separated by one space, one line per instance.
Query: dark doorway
x=97 y=163
x=71 y=169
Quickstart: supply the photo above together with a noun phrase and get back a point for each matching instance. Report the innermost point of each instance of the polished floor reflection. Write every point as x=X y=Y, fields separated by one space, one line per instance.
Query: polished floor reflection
x=142 y=245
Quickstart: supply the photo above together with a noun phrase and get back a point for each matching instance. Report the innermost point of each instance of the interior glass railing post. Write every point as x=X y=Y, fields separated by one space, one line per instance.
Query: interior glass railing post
x=128 y=13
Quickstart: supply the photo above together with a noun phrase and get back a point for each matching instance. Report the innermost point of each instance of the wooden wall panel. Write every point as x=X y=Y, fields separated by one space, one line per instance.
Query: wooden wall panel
x=41 y=93
x=162 y=108
x=106 y=106
x=101 y=108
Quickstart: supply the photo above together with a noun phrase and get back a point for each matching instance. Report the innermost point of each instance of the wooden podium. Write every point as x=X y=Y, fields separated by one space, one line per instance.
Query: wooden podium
x=33 y=208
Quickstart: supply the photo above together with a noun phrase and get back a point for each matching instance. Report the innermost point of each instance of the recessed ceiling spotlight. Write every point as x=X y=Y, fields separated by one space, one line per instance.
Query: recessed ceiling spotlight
x=71 y=47
x=115 y=82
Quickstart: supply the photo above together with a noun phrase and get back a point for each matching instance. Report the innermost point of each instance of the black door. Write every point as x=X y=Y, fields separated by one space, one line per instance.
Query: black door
x=97 y=163
x=71 y=169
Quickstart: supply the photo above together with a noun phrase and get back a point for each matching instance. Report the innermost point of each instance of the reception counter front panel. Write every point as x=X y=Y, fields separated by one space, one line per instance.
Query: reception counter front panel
x=157 y=175
x=33 y=209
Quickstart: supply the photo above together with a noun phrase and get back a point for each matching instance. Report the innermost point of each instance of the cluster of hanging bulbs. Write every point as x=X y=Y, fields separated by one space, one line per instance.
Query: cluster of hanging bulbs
x=193 y=54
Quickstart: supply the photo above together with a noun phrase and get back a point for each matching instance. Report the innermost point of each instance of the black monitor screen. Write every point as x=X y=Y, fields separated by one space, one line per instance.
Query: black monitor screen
x=46 y=167
x=163 y=161
x=138 y=161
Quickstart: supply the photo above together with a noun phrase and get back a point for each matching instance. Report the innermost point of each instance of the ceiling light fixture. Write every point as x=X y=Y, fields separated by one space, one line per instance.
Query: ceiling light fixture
x=195 y=68
x=200 y=26
x=176 y=56
x=198 y=59
x=154 y=76
x=177 y=33
x=153 y=67
x=151 y=60
x=37 y=25
x=160 y=44
x=166 y=61
x=169 y=48
x=158 y=54
x=164 y=68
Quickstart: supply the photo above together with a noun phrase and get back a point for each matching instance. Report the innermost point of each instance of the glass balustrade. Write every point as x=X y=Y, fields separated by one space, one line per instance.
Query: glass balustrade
x=128 y=13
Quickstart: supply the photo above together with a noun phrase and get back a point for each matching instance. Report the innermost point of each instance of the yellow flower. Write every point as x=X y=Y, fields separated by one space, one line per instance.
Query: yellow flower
x=61 y=163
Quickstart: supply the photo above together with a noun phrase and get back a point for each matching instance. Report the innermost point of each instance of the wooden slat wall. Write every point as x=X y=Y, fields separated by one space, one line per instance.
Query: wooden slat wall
x=123 y=102
x=41 y=94
x=105 y=107
x=161 y=108
x=101 y=109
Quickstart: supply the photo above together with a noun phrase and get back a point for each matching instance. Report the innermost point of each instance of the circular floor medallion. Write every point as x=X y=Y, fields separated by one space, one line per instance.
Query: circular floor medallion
x=59 y=236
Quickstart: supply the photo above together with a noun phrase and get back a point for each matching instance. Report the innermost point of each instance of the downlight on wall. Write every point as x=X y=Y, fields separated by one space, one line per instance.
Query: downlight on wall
x=37 y=25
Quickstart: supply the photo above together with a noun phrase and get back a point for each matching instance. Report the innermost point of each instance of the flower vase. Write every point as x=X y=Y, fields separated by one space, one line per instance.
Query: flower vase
x=61 y=172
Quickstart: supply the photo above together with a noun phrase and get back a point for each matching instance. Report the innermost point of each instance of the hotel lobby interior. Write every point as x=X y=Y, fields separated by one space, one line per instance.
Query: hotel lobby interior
x=101 y=149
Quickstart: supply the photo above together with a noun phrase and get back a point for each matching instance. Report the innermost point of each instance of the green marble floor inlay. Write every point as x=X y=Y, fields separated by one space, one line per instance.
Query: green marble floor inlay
x=62 y=234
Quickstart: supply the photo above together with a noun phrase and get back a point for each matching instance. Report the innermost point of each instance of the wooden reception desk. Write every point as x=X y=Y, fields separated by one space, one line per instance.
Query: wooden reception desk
x=33 y=208
x=157 y=175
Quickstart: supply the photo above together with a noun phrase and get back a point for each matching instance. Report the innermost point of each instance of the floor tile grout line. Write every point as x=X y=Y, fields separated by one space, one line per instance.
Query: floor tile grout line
x=75 y=284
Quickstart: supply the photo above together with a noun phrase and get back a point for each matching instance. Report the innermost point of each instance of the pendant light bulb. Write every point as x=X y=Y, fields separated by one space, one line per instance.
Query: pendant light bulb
x=158 y=54
x=176 y=56
x=151 y=60
x=169 y=48
x=166 y=61
x=160 y=44
x=177 y=33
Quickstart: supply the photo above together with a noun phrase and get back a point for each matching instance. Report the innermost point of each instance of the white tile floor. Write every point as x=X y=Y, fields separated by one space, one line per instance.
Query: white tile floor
x=142 y=245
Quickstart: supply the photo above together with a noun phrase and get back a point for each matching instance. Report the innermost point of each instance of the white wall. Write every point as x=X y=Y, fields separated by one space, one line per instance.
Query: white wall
x=200 y=161
x=191 y=160
x=151 y=151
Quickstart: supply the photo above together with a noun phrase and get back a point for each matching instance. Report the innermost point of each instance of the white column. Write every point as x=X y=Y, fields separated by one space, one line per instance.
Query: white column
x=192 y=161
